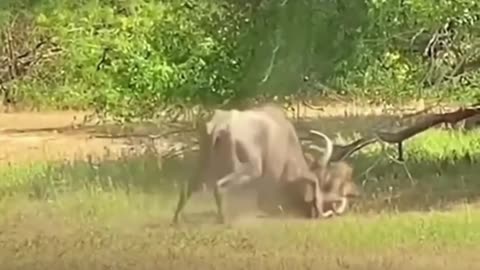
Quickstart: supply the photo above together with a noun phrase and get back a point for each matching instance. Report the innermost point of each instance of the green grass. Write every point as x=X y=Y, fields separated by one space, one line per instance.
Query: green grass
x=115 y=212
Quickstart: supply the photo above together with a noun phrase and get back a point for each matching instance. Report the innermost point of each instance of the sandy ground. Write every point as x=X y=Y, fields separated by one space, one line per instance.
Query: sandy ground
x=36 y=136
x=33 y=136
x=28 y=137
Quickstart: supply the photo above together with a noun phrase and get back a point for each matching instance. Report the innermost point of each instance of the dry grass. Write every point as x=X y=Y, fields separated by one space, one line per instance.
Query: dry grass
x=40 y=235
x=43 y=238
x=113 y=211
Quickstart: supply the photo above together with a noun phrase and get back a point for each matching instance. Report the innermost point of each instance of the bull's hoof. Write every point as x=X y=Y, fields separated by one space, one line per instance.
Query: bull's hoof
x=174 y=222
x=220 y=219
x=176 y=219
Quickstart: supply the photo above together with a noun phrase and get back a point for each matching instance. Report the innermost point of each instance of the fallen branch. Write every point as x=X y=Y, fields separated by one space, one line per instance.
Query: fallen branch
x=341 y=152
x=152 y=137
x=427 y=122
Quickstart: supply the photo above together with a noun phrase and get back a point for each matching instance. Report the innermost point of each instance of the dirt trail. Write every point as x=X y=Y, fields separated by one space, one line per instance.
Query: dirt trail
x=33 y=136
x=26 y=137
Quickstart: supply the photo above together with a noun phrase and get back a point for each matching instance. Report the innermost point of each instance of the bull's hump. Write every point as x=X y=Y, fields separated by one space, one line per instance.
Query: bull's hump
x=259 y=116
x=243 y=123
x=220 y=119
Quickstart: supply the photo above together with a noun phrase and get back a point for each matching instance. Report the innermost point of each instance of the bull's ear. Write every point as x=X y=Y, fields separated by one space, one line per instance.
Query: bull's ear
x=311 y=161
x=314 y=165
x=317 y=164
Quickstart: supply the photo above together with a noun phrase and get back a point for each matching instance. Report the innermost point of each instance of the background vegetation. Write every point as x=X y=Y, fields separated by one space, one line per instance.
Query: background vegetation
x=136 y=58
x=133 y=58
x=115 y=211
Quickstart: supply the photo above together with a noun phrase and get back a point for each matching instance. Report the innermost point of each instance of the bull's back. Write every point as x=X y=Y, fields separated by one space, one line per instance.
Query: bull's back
x=296 y=166
x=272 y=139
x=263 y=135
x=283 y=156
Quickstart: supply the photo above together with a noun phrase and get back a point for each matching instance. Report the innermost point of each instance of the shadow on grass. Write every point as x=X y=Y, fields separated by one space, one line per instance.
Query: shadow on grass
x=420 y=185
x=442 y=169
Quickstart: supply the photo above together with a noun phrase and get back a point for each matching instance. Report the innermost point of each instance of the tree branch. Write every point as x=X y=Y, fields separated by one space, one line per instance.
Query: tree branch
x=341 y=152
x=425 y=123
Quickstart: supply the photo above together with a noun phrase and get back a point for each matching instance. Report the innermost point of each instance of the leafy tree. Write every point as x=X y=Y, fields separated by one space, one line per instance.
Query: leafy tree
x=132 y=58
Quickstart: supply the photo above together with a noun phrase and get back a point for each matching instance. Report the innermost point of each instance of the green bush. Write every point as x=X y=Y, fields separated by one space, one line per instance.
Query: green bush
x=131 y=58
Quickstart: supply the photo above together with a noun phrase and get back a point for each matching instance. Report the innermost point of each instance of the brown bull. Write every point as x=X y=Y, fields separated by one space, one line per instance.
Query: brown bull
x=261 y=145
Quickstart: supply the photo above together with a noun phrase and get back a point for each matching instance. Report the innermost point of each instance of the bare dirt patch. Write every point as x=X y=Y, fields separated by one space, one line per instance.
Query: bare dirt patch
x=130 y=230
x=33 y=136
x=28 y=137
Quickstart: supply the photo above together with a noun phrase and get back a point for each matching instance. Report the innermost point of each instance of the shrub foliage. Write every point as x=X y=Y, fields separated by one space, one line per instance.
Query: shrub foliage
x=133 y=58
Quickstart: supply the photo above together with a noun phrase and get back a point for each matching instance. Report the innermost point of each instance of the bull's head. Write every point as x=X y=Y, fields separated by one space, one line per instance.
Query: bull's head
x=336 y=178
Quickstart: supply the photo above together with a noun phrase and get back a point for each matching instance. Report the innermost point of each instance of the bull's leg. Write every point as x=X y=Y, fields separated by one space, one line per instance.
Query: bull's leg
x=267 y=199
x=313 y=196
x=318 y=200
x=185 y=194
x=242 y=175
x=219 y=203
x=262 y=199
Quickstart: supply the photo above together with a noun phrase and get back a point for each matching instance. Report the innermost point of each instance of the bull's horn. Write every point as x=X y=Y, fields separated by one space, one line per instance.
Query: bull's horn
x=327 y=214
x=343 y=206
x=316 y=148
x=329 y=146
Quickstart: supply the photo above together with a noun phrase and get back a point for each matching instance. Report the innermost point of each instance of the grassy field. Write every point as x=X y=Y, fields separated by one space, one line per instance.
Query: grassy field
x=113 y=211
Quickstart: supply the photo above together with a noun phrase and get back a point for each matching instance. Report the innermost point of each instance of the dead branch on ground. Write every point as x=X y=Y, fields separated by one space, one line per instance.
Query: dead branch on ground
x=422 y=124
